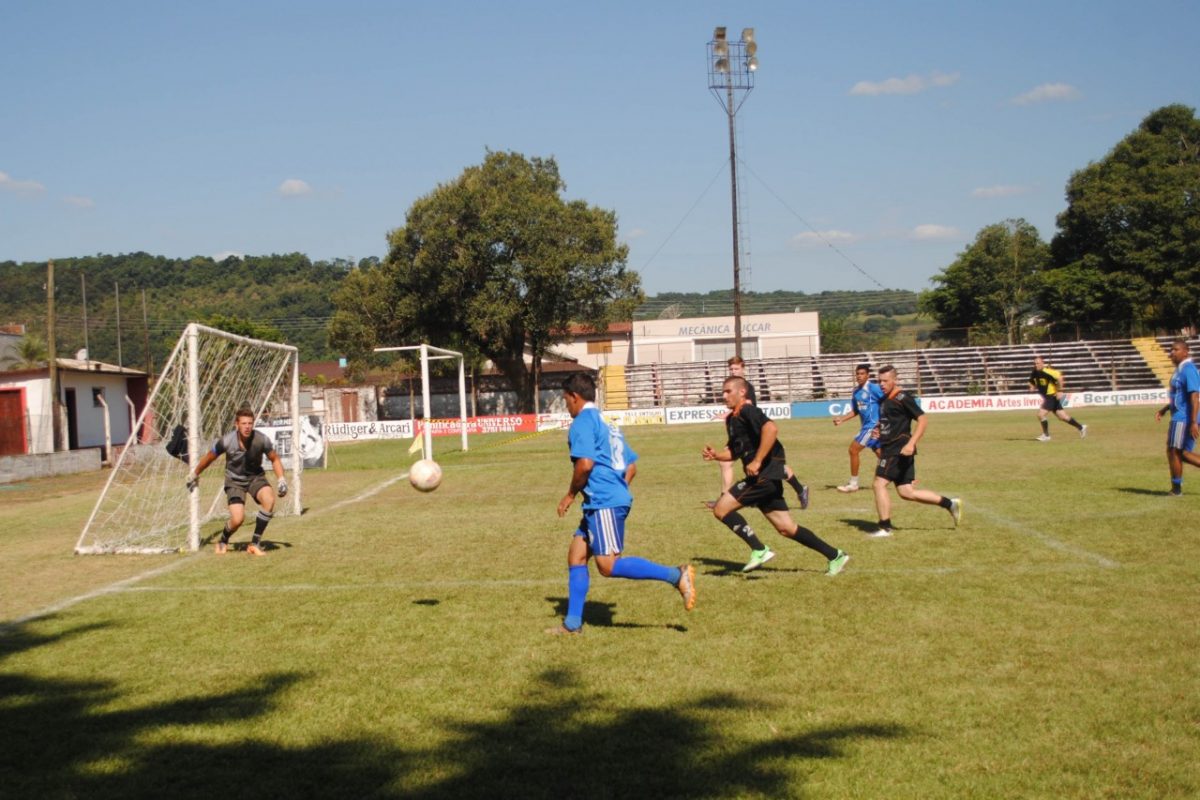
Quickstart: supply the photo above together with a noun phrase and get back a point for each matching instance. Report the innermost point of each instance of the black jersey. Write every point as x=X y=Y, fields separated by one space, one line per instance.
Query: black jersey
x=243 y=463
x=1045 y=380
x=896 y=414
x=750 y=393
x=745 y=435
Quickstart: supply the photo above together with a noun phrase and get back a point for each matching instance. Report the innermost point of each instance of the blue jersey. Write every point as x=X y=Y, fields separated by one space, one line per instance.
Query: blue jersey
x=865 y=401
x=593 y=438
x=1185 y=381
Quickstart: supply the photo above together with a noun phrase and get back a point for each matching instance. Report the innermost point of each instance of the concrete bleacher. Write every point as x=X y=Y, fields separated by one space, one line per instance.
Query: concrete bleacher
x=1109 y=365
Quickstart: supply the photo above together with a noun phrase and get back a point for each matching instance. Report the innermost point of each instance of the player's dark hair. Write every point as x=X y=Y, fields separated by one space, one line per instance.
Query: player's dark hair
x=885 y=368
x=736 y=360
x=1182 y=341
x=864 y=367
x=244 y=410
x=582 y=384
x=738 y=380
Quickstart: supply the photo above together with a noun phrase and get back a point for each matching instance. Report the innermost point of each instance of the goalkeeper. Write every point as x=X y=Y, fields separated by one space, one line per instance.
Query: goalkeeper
x=244 y=448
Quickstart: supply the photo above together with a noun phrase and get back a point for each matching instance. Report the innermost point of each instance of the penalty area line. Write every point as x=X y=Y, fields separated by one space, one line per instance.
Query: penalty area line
x=1044 y=538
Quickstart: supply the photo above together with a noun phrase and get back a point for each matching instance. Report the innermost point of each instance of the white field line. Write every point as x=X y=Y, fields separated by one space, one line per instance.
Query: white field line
x=1044 y=538
x=126 y=583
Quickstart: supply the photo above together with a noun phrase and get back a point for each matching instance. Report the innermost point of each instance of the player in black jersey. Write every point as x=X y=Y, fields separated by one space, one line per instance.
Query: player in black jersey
x=737 y=369
x=898 y=454
x=754 y=439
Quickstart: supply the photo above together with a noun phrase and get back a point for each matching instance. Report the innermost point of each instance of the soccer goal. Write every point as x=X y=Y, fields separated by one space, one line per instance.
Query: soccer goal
x=437 y=353
x=145 y=506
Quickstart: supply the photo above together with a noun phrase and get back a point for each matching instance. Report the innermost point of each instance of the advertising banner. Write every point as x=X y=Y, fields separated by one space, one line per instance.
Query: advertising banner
x=312 y=442
x=683 y=415
x=357 y=431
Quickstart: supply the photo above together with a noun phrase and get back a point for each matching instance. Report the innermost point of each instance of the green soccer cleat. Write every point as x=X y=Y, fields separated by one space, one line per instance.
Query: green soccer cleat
x=837 y=564
x=758 y=558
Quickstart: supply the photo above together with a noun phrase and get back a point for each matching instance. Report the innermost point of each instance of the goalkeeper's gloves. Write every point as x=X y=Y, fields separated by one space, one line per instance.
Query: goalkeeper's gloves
x=193 y=480
x=282 y=488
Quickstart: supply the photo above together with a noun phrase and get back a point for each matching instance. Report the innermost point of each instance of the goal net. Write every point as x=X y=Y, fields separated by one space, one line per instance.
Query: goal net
x=145 y=506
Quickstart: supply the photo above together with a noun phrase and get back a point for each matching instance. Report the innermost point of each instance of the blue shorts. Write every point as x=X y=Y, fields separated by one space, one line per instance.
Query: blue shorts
x=1179 y=436
x=866 y=437
x=604 y=529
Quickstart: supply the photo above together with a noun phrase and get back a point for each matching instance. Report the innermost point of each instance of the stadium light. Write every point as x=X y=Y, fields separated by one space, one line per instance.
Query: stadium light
x=731 y=68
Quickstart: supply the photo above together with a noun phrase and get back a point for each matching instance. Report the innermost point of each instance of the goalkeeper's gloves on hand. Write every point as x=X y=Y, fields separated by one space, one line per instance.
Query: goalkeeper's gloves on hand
x=193 y=480
x=282 y=488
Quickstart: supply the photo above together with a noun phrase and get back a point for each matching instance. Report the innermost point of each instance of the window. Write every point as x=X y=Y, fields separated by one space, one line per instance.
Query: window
x=97 y=396
x=723 y=349
x=601 y=346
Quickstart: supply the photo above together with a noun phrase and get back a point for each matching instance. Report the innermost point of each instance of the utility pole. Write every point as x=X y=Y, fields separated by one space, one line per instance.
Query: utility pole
x=52 y=354
x=146 y=337
x=117 y=287
x=83 y=289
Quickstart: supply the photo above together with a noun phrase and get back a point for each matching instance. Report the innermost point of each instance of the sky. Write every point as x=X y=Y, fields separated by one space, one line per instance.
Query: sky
x=879 y=139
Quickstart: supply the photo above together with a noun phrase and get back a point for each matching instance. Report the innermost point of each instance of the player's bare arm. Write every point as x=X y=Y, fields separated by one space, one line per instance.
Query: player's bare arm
x=910 y=446
x=770 y=434
x=630 y=472
x=853 y=412
x=579 y=479
x=709 y=454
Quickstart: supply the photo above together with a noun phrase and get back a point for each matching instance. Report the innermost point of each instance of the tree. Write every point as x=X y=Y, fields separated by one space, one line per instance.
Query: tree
x=993 y=283
x=31 y=353
x=1132 y=223
x=496 y=264
x=242 y=327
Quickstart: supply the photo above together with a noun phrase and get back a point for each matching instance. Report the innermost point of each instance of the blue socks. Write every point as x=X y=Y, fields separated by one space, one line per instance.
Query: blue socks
x=639 y=569
x=577 y=589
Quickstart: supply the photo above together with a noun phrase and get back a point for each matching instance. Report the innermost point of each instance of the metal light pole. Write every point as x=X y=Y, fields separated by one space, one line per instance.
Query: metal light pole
x=731 y=68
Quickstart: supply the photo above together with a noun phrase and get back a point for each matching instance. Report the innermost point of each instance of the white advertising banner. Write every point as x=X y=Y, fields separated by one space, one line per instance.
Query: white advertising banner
x=1031 y=402
x=683 y=415
x=357 y=431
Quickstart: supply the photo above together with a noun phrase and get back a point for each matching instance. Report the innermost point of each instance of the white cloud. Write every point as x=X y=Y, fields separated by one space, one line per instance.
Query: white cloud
x=224 y=254
x=912 y=84
x=928 y=232
x=815 y=238
x=79 y=202
x=1048 y=92
x=636 y=233
x=294 y=187
x=23 y=187
x=999 y=191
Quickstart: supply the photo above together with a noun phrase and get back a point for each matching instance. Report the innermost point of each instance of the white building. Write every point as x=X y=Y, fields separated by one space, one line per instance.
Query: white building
x=669 y=341
x=25 y=413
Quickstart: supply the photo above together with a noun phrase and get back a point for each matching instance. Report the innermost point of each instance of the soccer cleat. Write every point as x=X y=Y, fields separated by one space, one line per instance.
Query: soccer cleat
x=563 y=630
x=710 y=504
x=956 y=510
x=256 y=550
x=220 y=548
x=758 y=558
x=1083 y=431
x=849 y=487
x=687 y=586
x=1175 y=492
x=837 y=564
x=882 y=533
x=1045 y=437
x=803 y=497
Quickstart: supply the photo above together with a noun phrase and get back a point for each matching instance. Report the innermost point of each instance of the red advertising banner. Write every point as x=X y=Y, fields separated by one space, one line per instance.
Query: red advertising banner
x=511 y=423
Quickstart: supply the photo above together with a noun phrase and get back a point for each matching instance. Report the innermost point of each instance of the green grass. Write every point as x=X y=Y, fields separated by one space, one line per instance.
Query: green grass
x=393 y=647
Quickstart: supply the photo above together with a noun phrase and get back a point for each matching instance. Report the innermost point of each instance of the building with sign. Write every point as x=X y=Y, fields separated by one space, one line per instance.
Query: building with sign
x=670 y=341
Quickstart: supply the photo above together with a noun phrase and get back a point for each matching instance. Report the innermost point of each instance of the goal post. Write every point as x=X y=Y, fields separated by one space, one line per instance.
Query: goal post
x=209 y=375
x=438 y=353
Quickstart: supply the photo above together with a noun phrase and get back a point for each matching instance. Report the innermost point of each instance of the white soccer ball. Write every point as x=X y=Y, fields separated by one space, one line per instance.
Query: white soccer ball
x=425 y=475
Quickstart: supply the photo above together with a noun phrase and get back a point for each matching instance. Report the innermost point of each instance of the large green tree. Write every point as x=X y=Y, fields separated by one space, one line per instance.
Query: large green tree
x=495 y=263
x=1132 y=226
x=992 y=285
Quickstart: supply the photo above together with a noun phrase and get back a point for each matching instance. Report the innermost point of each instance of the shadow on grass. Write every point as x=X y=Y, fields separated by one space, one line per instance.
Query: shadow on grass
x=559 y=737
x=603 y=615
x=1140 y=490
x=861 y=524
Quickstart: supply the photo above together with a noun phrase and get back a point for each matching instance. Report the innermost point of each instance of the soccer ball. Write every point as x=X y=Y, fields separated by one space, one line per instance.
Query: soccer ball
x=425 y=475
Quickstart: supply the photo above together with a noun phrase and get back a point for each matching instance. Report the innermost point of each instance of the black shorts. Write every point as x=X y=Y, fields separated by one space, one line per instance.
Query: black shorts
x=765 y=495
x=897 y=468
x=237 y=494
x=1051 y=403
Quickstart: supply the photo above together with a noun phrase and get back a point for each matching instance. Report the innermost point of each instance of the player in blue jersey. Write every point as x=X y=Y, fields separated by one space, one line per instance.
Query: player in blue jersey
x=1184 y=407
x=864 y=404
x=603 y=467
x=244 y=449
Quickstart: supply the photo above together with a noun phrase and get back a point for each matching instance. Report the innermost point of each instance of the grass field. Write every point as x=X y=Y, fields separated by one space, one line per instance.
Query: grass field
x=392 y=644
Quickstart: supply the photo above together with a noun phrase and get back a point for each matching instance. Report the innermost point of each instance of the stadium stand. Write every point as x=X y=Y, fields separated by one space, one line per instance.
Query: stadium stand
x=1111 y=365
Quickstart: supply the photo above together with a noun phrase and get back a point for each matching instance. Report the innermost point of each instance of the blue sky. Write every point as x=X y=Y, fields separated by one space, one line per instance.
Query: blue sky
x=893 y=131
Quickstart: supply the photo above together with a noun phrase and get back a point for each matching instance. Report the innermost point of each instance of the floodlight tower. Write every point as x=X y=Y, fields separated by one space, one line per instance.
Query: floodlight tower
x=731 y=68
